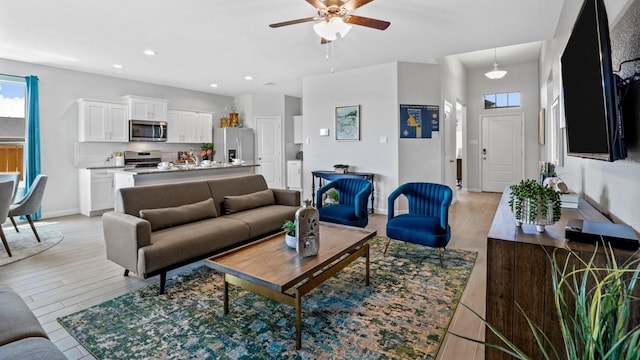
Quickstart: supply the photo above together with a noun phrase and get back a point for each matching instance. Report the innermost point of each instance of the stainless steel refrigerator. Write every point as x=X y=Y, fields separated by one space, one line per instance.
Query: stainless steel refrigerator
x=234 y=143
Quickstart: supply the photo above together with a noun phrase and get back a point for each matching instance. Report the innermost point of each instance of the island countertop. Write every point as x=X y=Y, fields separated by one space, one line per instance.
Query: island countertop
x=181 y=169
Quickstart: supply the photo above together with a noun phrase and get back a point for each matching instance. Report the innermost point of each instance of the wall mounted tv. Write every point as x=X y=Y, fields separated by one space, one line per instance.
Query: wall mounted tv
x=593 y=118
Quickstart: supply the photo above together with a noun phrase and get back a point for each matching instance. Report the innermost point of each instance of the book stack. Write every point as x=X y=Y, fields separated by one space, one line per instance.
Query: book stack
x=569 y=200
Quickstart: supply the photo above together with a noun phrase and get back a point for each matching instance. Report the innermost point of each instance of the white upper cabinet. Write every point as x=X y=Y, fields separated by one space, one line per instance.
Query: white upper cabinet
x=102 y=121
x=205 y=127
x=143 y=108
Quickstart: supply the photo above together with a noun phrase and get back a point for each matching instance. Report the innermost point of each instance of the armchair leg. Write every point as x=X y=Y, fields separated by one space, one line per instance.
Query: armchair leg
x=4 y=241
x=33 y=227
x=387 y=246
x=440 y=251
x=14 y=224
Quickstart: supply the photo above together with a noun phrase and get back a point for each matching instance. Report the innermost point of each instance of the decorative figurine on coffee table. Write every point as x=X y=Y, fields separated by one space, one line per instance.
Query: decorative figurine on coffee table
x=308 y=234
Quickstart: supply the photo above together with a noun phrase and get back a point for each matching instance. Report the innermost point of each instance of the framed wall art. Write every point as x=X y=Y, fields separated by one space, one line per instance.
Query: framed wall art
x=419 y=121
x=348 y=122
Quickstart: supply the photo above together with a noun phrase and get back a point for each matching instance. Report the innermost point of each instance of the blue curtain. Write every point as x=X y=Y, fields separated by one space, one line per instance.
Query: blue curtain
x=33 y=136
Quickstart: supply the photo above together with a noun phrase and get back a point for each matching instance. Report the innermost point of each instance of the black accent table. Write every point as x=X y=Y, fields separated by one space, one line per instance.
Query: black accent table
x=332 y=175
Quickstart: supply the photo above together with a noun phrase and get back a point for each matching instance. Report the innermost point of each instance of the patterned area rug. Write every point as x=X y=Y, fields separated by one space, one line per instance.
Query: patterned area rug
x=24 y=243
x=404 y=313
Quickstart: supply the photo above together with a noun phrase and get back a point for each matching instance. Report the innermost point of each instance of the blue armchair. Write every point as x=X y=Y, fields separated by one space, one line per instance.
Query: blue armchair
x=352 y=205
x=427 y=222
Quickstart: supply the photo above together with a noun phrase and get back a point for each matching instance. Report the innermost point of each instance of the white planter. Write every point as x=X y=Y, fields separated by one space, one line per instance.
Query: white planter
x=540 y=220
x=290 y=241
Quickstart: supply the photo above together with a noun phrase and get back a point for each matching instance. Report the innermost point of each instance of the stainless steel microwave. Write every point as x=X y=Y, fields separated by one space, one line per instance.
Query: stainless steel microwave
x=143 y=130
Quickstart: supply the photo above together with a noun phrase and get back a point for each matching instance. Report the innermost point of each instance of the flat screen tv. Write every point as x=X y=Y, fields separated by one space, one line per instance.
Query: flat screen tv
x=593 y=119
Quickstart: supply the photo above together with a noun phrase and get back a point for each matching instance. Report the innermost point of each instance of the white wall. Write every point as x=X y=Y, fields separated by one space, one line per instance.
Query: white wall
x=378 y=90
x=419 y=159
x=522 y=78
x=610 y=187
x=58 y=90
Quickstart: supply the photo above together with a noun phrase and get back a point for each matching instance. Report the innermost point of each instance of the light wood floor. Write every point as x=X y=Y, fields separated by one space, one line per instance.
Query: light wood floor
x=75 y=274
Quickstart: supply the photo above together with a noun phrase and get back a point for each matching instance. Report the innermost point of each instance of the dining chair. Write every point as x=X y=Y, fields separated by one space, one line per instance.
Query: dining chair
x=29 y=203
x=11 y=176
x=6 y=191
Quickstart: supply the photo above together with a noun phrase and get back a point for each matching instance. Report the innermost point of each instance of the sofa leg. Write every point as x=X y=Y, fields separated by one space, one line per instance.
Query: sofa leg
x=163 y=281
x=386 y=246
x=126 y=272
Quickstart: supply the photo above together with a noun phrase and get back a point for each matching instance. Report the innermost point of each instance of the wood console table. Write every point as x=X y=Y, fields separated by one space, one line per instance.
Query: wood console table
x=519 y=271
x=332 y=175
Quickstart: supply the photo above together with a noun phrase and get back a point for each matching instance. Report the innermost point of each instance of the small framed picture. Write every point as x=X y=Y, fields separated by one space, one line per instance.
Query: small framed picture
x=348 y=122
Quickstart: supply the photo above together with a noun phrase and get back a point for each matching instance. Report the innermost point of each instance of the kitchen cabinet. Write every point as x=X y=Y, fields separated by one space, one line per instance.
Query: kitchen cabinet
x=297 y=129
x=205 y=127
x=96 y=191
x=294 y=174
x=181 y=126
x=189 y=127
x=102 y=121
x=143 y=108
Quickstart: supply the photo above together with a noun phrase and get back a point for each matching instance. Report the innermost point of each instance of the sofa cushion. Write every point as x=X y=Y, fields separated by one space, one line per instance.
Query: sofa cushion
x=189 y=241
x=234 y=204
x=32 y=348
x=234 y=186
x=163 y=218
x=265 y=219
x=17 y=320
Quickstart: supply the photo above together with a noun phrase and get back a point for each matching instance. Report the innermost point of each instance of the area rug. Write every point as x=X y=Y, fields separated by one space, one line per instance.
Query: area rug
x=24 y=243
x=404 y=313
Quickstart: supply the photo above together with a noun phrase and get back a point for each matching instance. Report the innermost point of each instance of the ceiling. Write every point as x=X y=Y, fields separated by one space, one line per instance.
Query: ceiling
x=201 y=42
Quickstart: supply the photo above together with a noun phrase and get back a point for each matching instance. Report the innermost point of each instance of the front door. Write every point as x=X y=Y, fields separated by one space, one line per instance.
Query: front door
x=501 y=151
x=269 y=149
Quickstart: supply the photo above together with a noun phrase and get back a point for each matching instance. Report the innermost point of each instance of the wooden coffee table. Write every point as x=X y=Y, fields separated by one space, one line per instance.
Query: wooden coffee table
x=269 y=268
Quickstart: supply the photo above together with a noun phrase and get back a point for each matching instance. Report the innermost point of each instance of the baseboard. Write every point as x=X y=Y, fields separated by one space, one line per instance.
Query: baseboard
x=54 y=214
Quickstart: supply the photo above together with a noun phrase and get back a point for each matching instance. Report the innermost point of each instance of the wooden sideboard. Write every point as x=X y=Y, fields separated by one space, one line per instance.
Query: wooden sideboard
x=519 y=271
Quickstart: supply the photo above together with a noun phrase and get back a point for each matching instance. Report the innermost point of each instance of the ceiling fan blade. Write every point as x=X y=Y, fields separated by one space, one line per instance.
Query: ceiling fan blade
x=292 y=22
x=368 y=22
x=354 y=4
x=317 y=4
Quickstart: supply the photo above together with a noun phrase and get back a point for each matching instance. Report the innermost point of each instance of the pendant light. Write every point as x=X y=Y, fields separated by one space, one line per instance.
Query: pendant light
x=495 y=73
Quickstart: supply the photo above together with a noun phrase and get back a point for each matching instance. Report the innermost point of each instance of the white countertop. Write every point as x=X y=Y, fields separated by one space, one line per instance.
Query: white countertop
x=179 y=168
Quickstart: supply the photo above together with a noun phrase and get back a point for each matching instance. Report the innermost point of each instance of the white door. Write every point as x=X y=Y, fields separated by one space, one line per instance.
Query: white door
x=269 y=149
x=501 y=151
x=449 y=140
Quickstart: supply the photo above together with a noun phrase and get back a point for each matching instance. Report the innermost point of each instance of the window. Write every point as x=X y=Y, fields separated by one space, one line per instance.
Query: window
x=12 y=124
x=501 y=100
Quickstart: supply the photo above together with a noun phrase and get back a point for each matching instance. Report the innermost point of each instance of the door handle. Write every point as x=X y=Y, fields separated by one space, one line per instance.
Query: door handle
x=450 y=161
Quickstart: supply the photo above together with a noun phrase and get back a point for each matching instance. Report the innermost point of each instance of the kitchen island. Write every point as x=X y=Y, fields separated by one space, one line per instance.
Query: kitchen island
x=129 y=177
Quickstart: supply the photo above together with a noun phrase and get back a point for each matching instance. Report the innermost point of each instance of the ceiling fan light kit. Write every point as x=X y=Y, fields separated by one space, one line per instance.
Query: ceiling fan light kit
x=495 y=73
x=328 y=29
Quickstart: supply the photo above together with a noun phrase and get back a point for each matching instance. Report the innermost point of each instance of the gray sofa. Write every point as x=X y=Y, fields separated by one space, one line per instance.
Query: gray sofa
x=163 y=227
x=21 y=335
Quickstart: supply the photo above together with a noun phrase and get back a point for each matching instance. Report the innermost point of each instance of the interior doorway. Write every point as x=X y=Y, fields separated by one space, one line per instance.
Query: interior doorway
x=461 y=113
x=269 y=149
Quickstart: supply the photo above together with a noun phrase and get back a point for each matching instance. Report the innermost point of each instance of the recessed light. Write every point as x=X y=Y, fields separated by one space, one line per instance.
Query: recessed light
x=118 y=66
x=214 y=85
x=248 y=77
x=150 y=52
x=268 y=83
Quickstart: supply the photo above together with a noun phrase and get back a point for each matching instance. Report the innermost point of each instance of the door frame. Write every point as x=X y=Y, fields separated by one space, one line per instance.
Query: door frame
x=481 y=145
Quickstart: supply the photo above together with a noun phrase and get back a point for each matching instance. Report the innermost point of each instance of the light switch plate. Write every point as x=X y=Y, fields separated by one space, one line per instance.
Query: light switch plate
x=324 y=132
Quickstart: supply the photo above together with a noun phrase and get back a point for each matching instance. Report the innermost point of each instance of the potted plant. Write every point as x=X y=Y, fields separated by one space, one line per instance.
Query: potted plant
x=290 y=237
x=534 y=203
x=341 y=168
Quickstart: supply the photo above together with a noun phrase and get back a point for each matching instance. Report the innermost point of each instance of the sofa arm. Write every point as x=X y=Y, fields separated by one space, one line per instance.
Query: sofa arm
x=123 y=235
x=286 y=197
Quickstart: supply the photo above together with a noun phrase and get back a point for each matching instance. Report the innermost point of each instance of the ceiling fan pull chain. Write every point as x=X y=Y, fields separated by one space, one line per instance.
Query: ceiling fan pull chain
x=333 y=58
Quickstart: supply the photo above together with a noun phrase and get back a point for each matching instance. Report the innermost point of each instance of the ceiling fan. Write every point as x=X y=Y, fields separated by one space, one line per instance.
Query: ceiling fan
x=335 y=15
